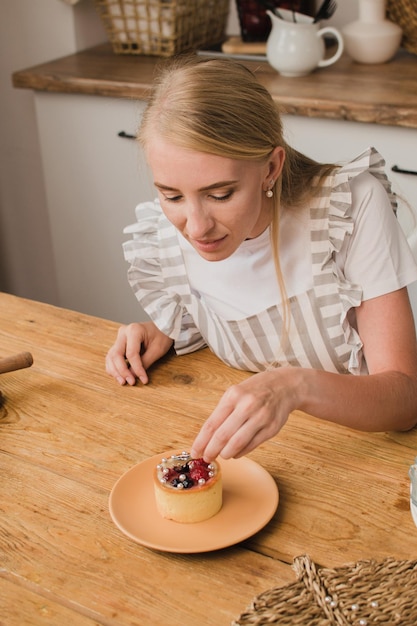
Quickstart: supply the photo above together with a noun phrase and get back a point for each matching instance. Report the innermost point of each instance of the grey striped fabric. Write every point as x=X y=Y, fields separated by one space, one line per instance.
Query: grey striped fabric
x=319 y=335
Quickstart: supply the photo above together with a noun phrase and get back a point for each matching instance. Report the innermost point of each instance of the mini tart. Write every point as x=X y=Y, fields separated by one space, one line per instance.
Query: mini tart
x=187 y=490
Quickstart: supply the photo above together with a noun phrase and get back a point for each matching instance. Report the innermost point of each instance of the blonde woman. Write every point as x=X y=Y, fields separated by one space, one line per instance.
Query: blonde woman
x=283 y=266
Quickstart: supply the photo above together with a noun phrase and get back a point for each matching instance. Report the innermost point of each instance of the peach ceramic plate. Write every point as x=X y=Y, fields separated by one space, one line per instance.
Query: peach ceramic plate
x=250 y=499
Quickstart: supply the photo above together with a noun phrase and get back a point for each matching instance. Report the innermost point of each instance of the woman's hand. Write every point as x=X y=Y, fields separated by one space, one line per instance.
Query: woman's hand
x=137 y=346
x=255 y=410
x=248 y=414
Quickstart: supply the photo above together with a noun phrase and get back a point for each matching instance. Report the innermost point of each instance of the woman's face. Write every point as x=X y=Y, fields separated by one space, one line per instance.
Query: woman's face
x=215 y=202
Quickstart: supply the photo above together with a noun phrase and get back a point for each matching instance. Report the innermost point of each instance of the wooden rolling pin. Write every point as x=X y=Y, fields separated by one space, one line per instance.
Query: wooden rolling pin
x=16 y=362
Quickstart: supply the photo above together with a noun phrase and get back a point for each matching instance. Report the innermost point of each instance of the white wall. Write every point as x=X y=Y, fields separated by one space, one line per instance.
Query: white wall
x=31 y=32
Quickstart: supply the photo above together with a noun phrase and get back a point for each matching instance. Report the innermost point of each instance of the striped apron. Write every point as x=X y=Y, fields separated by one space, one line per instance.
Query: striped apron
x=320 y=332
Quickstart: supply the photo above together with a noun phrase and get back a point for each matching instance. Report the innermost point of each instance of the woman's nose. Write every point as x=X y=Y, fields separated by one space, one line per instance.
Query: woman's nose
x=199 y=223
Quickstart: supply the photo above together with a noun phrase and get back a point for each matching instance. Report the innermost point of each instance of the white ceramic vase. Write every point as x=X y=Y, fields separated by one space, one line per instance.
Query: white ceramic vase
x=372 y=38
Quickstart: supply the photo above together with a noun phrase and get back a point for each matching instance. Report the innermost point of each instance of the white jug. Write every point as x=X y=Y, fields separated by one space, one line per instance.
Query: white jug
x=297 y=48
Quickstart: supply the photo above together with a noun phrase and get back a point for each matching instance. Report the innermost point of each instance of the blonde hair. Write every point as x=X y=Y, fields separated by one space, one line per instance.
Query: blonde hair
x=218 y=106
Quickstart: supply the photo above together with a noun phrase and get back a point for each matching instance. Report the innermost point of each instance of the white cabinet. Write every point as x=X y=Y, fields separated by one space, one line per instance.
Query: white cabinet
x=340 y=141
x=94 y=179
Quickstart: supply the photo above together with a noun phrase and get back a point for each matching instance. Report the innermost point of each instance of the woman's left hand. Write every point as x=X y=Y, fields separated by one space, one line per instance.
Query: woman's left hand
x=248 y=414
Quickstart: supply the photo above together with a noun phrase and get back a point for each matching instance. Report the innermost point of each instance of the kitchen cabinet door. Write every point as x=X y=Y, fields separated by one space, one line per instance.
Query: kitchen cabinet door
x=94 y=179
x=340 y=141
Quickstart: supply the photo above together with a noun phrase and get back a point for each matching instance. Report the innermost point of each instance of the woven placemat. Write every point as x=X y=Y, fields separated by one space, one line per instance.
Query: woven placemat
x=364 y=593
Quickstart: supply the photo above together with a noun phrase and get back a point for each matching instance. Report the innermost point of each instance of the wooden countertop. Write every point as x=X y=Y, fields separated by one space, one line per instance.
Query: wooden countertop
x=69 y=432
x=381 y=94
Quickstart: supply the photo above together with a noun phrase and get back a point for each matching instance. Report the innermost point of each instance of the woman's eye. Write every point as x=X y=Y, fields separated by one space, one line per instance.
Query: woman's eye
x=172 y=198
x=219 y=197
x=223 y=197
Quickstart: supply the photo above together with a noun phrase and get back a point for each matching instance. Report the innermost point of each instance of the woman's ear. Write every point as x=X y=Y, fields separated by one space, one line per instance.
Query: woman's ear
x=276 y=163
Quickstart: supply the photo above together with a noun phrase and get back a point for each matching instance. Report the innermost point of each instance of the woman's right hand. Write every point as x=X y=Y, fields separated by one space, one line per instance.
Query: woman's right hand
x=136 y=348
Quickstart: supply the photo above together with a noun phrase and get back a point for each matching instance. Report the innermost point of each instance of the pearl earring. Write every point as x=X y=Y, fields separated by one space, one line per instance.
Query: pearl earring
x=269 y=193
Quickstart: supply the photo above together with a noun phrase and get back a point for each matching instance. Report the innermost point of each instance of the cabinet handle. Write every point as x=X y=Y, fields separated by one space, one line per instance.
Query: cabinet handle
x=395 y=168
x=125 y=135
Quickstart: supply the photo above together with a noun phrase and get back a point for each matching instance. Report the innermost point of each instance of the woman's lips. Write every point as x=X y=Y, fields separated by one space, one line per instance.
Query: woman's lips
x=210 y=245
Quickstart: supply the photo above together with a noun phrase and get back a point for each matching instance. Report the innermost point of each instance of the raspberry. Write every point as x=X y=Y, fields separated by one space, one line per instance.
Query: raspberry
x=169 y=473
x=199 y=472
x=198 y=463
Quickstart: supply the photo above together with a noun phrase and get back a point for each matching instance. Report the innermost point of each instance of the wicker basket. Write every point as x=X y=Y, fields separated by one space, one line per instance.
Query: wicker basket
x=367 y=592
x=163 y=27
x=404 y=13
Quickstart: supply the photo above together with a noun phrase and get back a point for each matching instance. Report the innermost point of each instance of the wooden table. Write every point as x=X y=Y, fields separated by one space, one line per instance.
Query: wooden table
x=68 y=432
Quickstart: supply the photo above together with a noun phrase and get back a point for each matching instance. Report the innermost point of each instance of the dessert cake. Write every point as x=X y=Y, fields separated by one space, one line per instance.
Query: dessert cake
x=187 y=490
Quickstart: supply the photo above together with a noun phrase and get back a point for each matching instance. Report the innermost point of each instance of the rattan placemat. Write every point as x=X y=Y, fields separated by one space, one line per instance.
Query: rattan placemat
x=364 y=593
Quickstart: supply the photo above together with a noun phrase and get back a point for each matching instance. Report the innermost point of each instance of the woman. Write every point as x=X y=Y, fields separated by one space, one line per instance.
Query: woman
x=283 y=266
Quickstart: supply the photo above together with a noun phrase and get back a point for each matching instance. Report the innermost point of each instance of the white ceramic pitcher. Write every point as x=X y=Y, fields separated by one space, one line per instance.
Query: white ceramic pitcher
x=297 y=48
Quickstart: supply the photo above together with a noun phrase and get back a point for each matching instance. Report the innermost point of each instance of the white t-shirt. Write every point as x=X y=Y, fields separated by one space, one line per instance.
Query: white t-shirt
x=376 y=257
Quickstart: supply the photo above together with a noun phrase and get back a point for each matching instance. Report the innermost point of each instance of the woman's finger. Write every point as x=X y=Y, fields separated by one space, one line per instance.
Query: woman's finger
x=218 y=427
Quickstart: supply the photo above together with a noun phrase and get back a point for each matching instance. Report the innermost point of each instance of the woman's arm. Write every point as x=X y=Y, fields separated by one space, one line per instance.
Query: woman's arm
x=387 y=398
x=256 y=409
x=136 y=348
